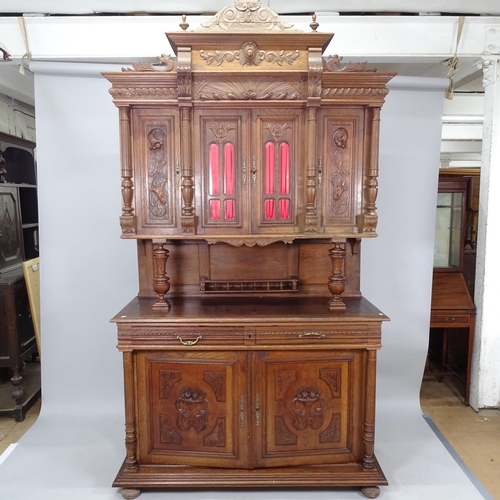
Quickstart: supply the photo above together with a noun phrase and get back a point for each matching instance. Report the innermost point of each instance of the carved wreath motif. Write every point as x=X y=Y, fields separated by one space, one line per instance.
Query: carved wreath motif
x=249 y=54
x=243 y=17
x=307 y=409
x=193 y=409
x=239 y=89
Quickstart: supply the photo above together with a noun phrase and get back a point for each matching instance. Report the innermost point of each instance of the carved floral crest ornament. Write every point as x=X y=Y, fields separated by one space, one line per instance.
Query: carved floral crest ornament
x=247 y=16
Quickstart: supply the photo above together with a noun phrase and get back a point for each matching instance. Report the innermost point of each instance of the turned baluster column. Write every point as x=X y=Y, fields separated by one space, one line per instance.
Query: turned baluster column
x=161 y=282
x=336 y=282
x=127 y=219
x=369 y=422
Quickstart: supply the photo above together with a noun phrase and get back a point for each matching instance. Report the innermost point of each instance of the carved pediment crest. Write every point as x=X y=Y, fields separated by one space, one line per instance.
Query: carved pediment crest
x=247 y=16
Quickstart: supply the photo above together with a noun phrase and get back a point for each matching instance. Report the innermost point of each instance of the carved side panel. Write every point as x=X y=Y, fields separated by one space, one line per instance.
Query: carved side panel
x=156 y=163
x=342 y=168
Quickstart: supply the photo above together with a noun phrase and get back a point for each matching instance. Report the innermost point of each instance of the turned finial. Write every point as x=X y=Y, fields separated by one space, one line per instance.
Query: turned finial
x=314 y=25
x=184 y=25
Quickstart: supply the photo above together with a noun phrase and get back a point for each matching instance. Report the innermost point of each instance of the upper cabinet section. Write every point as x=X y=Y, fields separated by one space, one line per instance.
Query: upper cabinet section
x=247 y=134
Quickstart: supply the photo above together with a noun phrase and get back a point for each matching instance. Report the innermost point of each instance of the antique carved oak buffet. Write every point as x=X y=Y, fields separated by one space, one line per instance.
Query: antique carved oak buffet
x=249 y=172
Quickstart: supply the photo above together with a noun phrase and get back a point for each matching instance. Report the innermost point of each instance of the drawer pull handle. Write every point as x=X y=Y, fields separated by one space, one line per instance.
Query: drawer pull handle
x=450 y=319
x=189 y=343
x=311 y=334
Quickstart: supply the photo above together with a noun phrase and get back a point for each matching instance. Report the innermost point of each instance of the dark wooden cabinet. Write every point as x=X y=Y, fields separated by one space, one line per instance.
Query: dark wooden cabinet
x=17 y=340
x=249 y=178
x=18 y=242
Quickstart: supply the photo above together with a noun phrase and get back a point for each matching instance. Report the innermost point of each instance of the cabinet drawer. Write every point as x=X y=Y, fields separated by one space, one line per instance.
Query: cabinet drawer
x=359 y=333
x=182 y=336
x=450 y=319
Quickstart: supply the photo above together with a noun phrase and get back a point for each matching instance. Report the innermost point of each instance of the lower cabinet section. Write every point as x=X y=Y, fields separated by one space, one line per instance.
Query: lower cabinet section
x=268 y=396
x=249 y=409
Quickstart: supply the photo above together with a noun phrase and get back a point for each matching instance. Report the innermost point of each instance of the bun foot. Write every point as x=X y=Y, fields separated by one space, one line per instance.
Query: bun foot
x=371 y=491
x=130 y=493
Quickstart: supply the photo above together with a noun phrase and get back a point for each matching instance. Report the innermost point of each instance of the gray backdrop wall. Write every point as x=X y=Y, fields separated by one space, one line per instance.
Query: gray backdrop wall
x=88 y=274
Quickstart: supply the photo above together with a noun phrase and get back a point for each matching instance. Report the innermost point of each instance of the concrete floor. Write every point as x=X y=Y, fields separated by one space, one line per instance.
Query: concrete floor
x=474 y=436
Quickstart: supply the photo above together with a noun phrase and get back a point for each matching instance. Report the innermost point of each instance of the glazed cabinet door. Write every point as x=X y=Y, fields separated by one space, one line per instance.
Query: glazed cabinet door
x=341 y=168
x=192 y=408
x=275 y=170
x=307 y=407
x=157 y=170
x=222 y=175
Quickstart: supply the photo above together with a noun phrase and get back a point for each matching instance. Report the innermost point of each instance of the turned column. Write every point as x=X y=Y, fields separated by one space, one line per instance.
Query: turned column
x=336 y=282
x=369 y=421
x=161 y=282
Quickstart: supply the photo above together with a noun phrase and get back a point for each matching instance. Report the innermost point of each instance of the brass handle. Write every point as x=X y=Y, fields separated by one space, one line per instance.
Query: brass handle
x=254 y=172
x=320 y=171
x=189 y=343
x=242 y=411
x=311 y=334
x=244 y=175
x=257 y=410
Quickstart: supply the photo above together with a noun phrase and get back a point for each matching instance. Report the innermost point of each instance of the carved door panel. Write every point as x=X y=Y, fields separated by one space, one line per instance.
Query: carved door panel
x=275 y=170
x=307 y=407
x=222 y=171
x=341 y=176
x=192 y=408
x=157 y=170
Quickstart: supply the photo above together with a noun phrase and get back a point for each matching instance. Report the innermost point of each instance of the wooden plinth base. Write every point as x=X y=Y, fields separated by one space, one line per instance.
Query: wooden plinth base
x=167 y=476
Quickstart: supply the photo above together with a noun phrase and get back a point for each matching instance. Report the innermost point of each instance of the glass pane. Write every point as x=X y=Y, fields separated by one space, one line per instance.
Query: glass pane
x=448 y=237
x=284 y=208
x=229 y=210
x=213 y=187
x=284 y=168
x=228 y=169
x=214 y=209
x=269 y=169
x=269 y=205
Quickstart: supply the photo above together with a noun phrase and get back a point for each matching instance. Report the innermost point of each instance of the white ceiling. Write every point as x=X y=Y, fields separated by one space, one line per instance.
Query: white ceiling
x=89 y=7
x=21 y=87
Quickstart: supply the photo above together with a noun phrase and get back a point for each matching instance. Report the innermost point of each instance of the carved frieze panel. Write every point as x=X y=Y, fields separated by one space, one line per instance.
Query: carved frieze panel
x=250 y=55
x=248 y=89
x=149 y=92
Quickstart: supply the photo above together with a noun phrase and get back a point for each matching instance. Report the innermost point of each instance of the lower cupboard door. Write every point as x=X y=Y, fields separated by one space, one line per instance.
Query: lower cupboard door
x=307 y=407
x=192 y=408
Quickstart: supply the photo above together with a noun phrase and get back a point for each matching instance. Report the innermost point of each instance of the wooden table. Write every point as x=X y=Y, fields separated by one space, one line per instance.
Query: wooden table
x=452 y=307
